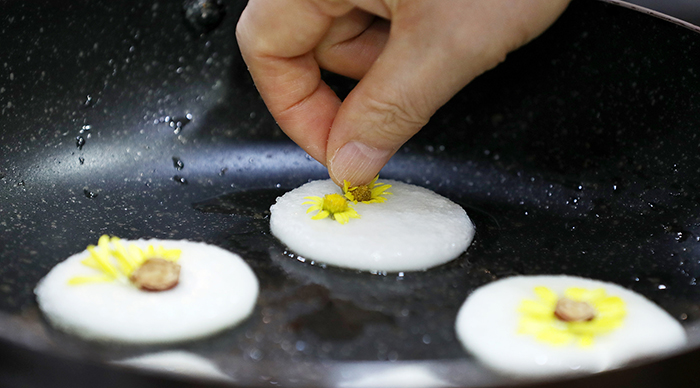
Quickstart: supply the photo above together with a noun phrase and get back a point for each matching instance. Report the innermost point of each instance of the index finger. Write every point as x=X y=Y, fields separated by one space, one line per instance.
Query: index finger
x=277 y=39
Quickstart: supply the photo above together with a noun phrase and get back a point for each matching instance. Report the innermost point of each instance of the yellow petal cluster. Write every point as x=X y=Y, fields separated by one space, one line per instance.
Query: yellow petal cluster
x=537 y=316
x=376 y=189
x=334 y=206
x=114 y=261
x=337 y=207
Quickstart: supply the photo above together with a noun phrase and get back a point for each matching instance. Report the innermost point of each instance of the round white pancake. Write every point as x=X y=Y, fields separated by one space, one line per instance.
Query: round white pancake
x=487 y=327
x=179 y=362
x=217 y=290
x=414 y=229
x=405 y=376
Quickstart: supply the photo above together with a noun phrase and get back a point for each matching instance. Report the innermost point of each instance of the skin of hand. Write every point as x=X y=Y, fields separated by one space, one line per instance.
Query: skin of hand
x=411 y=57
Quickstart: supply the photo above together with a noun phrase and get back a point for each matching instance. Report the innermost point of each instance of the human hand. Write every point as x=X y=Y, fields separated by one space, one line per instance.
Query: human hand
x=411 y=57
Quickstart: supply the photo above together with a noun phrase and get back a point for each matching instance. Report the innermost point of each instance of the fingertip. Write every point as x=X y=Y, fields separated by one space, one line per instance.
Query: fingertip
x=357 y=163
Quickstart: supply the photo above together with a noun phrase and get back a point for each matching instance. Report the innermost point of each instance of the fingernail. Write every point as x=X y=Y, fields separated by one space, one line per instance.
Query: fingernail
x=357 y=163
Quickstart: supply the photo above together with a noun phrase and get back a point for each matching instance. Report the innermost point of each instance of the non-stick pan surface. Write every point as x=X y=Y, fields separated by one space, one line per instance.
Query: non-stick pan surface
x=578 y=155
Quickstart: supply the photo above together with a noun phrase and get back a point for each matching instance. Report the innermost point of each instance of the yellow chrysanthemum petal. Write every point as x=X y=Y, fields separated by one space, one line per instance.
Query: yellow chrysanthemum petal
x=546 y=295
x=77 y=280
x=90 y=261
x=346 y=191
x=610 y=303
x=593 y=296
x=532 y=325
x=171 y=254
x=313 y=200
x=585 y=341
x=123 y=253
x=123 y=258
x=375 y=200
x=321 y=215
x=581 y=294
x=334 y=206
x=335 y=203
x=538 y=318
x=534 y=308
x=115 y=261
x=102 y=261
x=136 y=254
x=167 y=254
x=376 y=191
x=103 y=242
x=341 y=218
x=379 y=190
x=159 y=251
x=555 y=337
x=345 y=216
x=312 y=208
x=602 y=325
x=575 y=293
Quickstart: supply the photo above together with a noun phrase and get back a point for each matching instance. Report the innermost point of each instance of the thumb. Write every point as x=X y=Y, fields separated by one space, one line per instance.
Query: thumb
x=388 y=106
x=432 y=53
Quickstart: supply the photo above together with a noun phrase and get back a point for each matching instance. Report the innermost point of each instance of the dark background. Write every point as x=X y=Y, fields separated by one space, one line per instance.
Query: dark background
x=688 y=10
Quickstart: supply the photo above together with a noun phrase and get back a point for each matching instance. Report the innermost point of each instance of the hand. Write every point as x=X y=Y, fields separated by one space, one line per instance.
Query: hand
x=411 y=57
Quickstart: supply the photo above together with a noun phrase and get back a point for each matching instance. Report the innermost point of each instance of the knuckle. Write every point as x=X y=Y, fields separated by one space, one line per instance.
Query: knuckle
x=396 y=121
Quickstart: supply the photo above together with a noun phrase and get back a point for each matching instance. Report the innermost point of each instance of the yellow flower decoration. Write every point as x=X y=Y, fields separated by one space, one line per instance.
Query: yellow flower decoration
x=334 y=206
x=369 y=193
x=114 y=261
x=577 y=317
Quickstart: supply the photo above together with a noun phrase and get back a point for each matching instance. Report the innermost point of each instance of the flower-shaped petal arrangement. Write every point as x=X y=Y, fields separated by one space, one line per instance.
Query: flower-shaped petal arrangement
x=576 y=317
x=117 y=262
x=337 y=207
x=106 y=291
x=334 y=206
x=555 y=324
x=373 y=192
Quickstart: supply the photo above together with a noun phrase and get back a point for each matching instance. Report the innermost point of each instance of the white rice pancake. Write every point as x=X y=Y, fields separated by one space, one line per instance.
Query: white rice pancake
x=414 y=229
x=487 y=326
x=179 y=362
x=404 y=376
x=216 y=290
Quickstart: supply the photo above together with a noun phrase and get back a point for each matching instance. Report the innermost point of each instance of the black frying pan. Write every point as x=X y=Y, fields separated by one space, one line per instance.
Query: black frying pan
x=578 y=155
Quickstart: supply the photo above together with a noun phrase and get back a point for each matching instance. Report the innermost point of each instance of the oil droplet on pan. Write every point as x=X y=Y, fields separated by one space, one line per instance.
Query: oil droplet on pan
x=203 y=16
x=180 y=180
x=177 y=163
x=90 y=194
